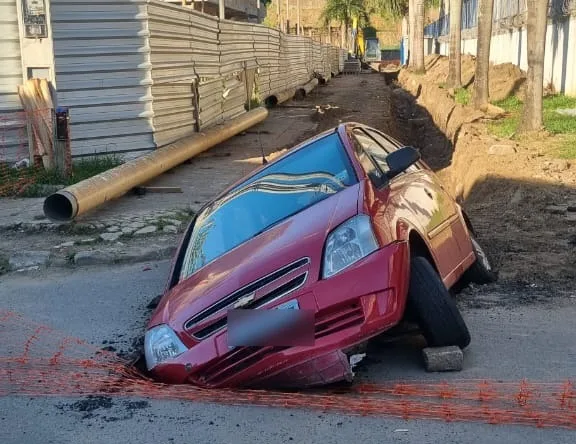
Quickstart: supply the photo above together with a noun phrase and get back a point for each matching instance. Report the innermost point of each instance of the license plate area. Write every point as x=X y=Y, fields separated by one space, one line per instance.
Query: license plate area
x=290 y=305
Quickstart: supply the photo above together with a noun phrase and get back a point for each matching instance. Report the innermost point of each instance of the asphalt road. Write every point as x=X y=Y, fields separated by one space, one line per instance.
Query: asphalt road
x=512 y=339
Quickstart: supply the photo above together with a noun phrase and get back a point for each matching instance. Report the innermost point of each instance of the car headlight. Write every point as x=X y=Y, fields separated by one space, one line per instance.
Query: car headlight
x=161 y=344
x=347 y=244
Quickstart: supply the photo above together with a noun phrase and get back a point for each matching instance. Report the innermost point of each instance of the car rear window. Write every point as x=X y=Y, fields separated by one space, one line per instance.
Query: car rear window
x=283 y=189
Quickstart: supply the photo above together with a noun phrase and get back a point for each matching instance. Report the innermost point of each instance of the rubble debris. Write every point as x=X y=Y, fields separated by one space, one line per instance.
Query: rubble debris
x=443 y=359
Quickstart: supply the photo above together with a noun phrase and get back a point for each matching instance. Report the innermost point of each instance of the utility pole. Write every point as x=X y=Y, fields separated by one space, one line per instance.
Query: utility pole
x=221 y=9
x=280 y=26
x=298 y=17
x=287 y=28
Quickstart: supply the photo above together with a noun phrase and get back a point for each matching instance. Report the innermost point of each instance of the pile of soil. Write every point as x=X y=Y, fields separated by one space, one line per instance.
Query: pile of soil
x=505 y=79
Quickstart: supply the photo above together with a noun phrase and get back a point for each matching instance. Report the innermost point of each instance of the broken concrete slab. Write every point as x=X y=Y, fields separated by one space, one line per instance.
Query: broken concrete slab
x=93 y=257
x=89 y=240
x=27 y=259
x=146 y=230
x=170 y=229
x=152 y=253
x=443 y=359
x=110 y=237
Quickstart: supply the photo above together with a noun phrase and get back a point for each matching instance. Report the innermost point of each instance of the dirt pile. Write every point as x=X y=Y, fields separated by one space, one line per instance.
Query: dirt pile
x=505 y=79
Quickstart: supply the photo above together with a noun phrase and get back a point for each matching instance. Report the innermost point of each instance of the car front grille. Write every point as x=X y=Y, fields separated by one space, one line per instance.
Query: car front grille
x=347 y=316
x=241 y=358
x=213 y=318
x=234 y=362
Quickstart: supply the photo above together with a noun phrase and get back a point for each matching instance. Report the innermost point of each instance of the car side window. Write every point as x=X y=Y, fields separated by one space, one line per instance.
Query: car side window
x=373 y=149
x=373 y=173
x=389 y=146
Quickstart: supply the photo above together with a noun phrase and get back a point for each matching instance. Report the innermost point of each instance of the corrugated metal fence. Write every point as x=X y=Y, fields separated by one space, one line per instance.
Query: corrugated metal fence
x=202 y=67
x=12 y=121
x=139 y=74
x=102 y=67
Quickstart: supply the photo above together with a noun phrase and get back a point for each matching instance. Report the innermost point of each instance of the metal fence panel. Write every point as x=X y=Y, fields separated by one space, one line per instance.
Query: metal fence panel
x=103 y=74
x=184 y=50
x=13 y=143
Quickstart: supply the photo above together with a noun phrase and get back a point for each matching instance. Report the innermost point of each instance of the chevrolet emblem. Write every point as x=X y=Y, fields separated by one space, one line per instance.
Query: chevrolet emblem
x=245 y=300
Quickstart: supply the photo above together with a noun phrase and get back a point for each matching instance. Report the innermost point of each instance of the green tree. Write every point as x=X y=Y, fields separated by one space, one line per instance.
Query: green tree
x=344 y=11
x=415 y=10
x=390 y=8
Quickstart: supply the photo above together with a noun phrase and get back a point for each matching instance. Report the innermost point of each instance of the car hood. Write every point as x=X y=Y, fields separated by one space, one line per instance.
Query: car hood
x=302 y=235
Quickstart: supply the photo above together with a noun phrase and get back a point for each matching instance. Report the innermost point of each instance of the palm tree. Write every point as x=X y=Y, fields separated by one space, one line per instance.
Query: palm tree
x=536 y=36
x=454 y=79
x=344 y=11
x=415 y=10
x=481 y=77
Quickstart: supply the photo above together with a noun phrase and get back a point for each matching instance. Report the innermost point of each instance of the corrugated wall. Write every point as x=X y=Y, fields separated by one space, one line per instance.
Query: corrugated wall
x=103 y=73
x=187 y=47
x=12 y=122
x=139 y=74
x=184 y=49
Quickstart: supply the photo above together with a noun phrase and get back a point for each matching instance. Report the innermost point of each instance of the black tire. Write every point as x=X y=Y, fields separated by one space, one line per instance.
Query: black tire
x=481 y=271
x=433 y=308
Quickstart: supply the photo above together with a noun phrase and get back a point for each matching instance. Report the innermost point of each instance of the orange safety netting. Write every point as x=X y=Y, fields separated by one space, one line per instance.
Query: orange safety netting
x=46 y=362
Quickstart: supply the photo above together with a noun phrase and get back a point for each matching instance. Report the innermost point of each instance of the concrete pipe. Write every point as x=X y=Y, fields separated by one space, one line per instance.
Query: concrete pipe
x=70 y=202
x=304 y=90
x=281 y=97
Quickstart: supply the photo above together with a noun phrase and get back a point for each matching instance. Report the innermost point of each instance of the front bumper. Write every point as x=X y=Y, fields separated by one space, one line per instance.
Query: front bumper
x=350 y=308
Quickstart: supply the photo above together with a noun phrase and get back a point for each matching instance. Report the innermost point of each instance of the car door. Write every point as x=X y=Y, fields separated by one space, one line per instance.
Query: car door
x=418 y=198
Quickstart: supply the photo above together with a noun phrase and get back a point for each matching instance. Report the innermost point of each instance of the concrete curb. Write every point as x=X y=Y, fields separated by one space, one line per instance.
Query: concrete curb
x=100 y=257
x=89 y=258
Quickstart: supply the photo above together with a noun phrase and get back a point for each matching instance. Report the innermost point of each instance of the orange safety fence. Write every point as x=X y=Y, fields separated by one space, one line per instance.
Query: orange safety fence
x=39 y=361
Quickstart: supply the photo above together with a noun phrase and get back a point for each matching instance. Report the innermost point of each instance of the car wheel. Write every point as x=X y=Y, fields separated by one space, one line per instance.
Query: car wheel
x=481 y=271
x=434 y=309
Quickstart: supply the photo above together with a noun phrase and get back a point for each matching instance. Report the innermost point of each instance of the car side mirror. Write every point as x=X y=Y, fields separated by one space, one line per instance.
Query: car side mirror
x=400 y=160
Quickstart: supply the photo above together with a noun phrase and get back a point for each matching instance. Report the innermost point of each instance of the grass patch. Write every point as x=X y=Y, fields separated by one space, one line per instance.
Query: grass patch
x=506 y=128
x=553 y=122
x=254 y=103
x=462 y=96
x=567 y=148
x=29 y=182
x=557 y=123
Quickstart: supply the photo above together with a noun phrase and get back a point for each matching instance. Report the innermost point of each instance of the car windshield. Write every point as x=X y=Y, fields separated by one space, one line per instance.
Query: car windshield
x=286 y=187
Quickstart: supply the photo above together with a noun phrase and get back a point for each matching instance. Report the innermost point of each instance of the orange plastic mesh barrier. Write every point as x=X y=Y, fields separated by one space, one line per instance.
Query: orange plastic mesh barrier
x=44 y=362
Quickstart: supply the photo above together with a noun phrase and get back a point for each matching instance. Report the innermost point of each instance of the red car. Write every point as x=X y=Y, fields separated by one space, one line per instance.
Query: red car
x=349 y=226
